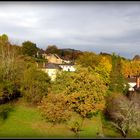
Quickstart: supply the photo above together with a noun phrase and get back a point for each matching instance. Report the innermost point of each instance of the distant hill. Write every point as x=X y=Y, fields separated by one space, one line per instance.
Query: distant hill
x=105 y=54
x=69 y=50
x=136 y=58
x=69 y=54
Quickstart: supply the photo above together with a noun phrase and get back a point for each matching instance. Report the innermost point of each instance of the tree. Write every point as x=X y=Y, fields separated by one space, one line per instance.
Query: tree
x=88 y=59
x=104 y=69
x=29 y=48
x=136 y=57
x=118 y=82
x=4 y=38
x=52 y=49
x=35 y=84
x=10 y=70
x=55 y=108
x=124 y=114
x=85 y=91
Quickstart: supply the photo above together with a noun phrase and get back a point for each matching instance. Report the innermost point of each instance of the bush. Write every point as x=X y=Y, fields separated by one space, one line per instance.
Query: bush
x=55 y=108
x=5 y=110
x=35 y=85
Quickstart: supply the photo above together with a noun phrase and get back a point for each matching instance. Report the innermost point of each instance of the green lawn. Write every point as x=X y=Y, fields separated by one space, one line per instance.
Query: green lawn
x=26 y=122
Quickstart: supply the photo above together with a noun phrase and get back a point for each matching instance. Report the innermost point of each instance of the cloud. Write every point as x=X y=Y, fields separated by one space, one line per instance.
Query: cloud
x=93 y=26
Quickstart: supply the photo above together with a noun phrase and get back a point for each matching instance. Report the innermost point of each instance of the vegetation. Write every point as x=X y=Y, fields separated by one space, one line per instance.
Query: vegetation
x=76 y=104
x=55 y=108
x=29 y=48
x=10 y=69
x=118 y=82
x=87 y=59
x=124 y=113
x=35 y=84
x=66 y=54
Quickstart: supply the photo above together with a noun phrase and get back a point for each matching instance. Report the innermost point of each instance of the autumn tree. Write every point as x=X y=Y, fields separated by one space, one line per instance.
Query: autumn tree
x=55 y=108
x=85 y=91
x=103 y=69
x=29 y=48
x=87 y=59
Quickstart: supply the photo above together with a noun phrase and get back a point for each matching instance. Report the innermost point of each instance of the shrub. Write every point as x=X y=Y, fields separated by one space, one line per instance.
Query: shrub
x=5 y=110
x=35 y=85
x=55 y=108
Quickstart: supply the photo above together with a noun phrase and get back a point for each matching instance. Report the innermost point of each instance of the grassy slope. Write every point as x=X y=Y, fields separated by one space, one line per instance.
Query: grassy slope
x=26 y=121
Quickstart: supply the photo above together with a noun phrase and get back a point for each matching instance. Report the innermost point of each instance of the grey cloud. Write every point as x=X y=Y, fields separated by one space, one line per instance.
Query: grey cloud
x=91 y=26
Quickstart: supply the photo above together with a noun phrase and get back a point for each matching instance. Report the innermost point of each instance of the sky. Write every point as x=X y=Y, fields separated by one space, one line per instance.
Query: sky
x=86 y=26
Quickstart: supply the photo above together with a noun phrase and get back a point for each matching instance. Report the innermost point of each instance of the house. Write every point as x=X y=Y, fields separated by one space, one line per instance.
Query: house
x=56 y=64
x=67 y=67
x=53 y=58
x=52 y=69
x=134 y=83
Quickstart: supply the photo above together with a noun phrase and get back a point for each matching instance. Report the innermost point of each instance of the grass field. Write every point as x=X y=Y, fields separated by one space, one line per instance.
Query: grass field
x=25 y=121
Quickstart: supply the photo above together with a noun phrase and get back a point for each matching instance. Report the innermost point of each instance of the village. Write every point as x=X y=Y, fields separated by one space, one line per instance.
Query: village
x=55 y=64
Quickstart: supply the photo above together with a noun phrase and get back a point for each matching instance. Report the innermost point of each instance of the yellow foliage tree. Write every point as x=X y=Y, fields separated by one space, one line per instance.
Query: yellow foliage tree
x=104 y=68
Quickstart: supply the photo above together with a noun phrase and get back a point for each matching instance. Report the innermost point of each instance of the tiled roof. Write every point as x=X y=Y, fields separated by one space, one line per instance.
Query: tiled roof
x=66 y=64
x=132 y=80
x=52 y=66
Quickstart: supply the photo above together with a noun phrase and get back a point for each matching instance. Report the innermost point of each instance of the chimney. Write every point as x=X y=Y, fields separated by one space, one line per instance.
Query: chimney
x=37 y=65
x=138 y=82
x=43 y=64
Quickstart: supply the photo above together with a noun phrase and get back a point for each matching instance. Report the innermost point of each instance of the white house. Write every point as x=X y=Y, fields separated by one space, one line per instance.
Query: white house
x=134 y=83
x=67 y=67
x=52 y=70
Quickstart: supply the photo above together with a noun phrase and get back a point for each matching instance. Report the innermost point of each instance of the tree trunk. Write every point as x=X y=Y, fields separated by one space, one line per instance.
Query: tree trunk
x=124 y=134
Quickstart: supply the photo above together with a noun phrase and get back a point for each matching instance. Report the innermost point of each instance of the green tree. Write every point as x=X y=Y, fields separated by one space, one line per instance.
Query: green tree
x=35 y=84
x=52 y=49
x=10 y=69
x=88 y=59
x=118 y=82
x=4 y=38
x=29 y=48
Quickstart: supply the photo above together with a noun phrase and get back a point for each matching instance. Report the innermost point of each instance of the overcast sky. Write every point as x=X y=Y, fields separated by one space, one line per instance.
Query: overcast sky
x=87 y=26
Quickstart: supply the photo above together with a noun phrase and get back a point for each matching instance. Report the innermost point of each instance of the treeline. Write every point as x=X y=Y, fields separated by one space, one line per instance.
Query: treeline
x=67 y=54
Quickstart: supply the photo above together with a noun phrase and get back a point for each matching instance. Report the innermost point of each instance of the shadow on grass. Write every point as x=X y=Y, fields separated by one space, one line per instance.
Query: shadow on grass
x=5 y=110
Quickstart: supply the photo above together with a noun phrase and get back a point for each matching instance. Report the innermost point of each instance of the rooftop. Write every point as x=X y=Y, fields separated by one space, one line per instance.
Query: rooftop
x=52 y=66
x=131 y=80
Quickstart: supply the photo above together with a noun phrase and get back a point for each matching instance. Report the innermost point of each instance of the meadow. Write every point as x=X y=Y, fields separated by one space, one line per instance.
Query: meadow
x=25 y=121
